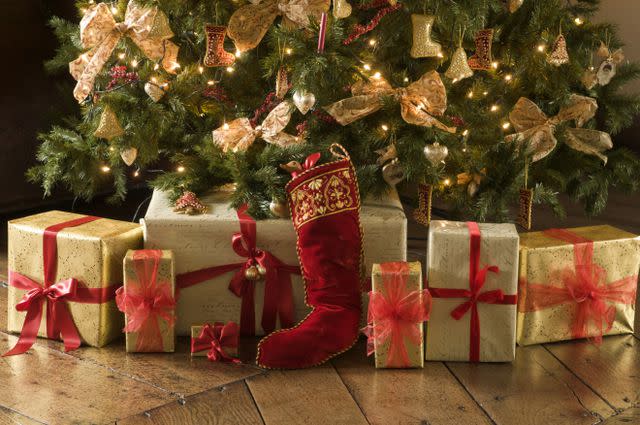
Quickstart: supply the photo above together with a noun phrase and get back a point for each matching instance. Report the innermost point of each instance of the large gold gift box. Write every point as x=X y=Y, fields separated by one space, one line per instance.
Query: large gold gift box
x=544 y=259
x=92 y=253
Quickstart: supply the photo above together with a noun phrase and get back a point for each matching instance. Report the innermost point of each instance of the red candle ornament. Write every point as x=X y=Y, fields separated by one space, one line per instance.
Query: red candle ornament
x=323 y=32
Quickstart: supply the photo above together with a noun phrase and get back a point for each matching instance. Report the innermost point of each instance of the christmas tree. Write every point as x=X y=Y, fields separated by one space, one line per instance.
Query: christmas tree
x=479 y=99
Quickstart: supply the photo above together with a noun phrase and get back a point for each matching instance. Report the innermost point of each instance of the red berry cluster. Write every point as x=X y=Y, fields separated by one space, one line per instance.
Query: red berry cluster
x=457 y=121
x=360 y=30
x=270 y=102
x=217 y=93
x=119 y=76
x=324 y=117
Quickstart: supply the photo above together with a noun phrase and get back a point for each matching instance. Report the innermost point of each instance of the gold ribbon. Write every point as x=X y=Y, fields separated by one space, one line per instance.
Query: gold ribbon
x=419 y=102
x=148 y=27
x=248 y=25
x=238 y=135
x=534 y=127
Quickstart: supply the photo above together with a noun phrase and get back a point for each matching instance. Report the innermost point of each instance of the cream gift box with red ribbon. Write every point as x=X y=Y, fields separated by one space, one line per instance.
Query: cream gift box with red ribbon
x=577 y=283
x=472 y=275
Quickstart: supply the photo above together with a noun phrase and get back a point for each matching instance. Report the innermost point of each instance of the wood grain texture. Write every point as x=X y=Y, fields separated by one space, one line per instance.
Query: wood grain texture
x=407 y=396
x=309 y=396
x=612 y=369
x=628 y=417
x=9 y=417
x=536 y=389
x=230 y=404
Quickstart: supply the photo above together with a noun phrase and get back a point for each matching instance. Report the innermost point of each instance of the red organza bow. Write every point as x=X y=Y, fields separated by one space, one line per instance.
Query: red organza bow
x=585 y=285
x=145 y=300
x=394 y=314
x=215 y=339
x=56 y=295
x=308 y=164
x=477 y=279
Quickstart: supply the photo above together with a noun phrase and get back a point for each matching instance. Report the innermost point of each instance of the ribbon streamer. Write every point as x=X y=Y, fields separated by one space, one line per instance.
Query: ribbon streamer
x=420 y=102
x=278 y=290
x=147 y=27
x=585 y=286
x=538 y=130
x=215 y=338
x=145 y=300
x=474 y=295
x=238 y=135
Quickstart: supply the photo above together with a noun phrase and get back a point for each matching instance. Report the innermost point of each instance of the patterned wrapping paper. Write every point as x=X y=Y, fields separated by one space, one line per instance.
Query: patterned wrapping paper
x=541 y=257
x=91 y=253
x=448 y=266
x=165 y=284
x=203 y=241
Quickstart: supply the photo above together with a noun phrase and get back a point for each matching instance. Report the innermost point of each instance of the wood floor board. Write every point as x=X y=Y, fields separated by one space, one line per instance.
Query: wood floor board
x=630 y=416
x=10 y=417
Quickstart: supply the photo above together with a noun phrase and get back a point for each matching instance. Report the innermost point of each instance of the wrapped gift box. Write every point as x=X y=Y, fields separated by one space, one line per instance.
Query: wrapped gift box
x=149 y=274
x=454 y=257
x=91 y=253
x=563 y=273
x=204 y=241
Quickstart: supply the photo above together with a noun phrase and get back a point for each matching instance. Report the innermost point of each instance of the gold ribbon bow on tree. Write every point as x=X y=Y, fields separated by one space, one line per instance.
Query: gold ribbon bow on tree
x=538 y=130
x=420 y=102
x=238 y=135
x=248 y=25
x=148 y=27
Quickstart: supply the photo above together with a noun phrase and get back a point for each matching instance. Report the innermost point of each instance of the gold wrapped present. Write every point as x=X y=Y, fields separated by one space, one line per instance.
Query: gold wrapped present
x=218 y=342
x=398 y=306
x=148 y=301
x=64 y=269
x=577 y=283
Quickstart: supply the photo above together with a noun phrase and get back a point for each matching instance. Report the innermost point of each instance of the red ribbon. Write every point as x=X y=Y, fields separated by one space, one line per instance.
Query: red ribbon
x=477 y=279
x=394 y=314
x=278 y=290
x=309 y=163
x=584 y=285
x=215 y=339
x=145 y=300
x=60 y=323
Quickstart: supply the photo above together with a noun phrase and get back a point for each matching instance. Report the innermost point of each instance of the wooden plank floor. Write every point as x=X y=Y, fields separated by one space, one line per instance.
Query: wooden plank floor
x=565 y=383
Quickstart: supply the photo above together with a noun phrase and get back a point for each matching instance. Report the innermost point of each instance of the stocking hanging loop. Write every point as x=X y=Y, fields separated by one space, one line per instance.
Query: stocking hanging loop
x=338 y=151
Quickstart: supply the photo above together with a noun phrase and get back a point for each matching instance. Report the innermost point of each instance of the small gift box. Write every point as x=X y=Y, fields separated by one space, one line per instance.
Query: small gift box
x=577 y=283
x=148 y=301
x=397 y=308
x=472 y=273
x=64 y=270
x=218 y=342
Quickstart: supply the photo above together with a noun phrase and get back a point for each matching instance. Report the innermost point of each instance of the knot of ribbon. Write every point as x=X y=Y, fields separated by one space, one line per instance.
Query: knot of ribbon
x=394 y=314
x=474 y=295
x=146 y=26
x=145 y=300
x=55 y=295
x=296 y=168
x=420 y=102
x=584 y=285
x=217 y=339
x=538 y=130
x=239 y=135
x=249 y=24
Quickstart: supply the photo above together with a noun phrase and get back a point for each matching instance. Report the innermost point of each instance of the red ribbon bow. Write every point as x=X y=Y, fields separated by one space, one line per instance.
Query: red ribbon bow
x=477 y=279
x=145 y=301
x=278 y=291
x=309 y=163
x=215 y=339
x=59 y=320
x=584 y=285
x=394 y=314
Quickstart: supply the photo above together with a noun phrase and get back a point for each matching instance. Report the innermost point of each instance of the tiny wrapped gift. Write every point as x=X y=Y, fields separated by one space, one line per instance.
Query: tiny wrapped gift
x=64 y=270
x=218 y=342
x=397 y=308
x=148 y=301
x=473 y=278
x=577 y=283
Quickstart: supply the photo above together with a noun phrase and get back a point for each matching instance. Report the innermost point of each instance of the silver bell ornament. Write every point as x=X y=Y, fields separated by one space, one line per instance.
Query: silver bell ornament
x=304 y=101
x=459 y=68
x=393 y=172
x=436 y=153
x=423 y=46
x=252 y=274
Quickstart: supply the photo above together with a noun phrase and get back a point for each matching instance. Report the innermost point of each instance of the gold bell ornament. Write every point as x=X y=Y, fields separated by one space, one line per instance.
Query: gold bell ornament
x=459 y=68
x=559 y=55
x=109 y=127
x=423 y=46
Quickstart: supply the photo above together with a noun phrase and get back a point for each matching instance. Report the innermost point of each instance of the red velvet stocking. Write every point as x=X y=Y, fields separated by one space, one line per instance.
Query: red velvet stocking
x=325 y=208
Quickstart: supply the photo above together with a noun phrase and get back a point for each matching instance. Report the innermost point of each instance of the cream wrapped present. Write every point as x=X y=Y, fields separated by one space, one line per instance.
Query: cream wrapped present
x=472 y=273
x=577 y=283
x=64 y=270
x=208 y=258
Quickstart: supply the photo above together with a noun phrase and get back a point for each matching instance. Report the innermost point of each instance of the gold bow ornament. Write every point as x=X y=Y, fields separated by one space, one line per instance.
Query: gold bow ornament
x=248 y=25
x=238 y=134
x=148 y=27
x=538 y=130
x=420 y=102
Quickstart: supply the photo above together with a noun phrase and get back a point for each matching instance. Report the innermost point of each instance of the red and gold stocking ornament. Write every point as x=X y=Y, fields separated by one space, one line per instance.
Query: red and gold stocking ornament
x=325 y=210
x=482 y=59
x=216 y=55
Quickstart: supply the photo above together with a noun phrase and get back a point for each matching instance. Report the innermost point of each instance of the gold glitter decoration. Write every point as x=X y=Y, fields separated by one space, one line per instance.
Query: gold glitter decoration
x=423 y=46
x=282 y=83
x=525 y=209
x=482 y=59
x=341 y=9
x=559 y=55
x=459 y=68
x=109 y=127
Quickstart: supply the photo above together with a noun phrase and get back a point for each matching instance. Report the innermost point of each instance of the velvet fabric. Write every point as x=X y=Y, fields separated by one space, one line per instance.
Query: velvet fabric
x=325 y=209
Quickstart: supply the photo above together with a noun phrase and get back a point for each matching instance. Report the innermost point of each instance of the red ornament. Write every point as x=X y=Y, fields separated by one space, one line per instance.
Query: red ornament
x=120 y=76
x=216 y=55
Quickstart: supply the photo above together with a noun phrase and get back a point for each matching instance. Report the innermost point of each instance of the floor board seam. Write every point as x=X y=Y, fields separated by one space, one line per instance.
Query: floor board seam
x=22 y=414
x=477 y=402
x=253 y=399
x=355 y=400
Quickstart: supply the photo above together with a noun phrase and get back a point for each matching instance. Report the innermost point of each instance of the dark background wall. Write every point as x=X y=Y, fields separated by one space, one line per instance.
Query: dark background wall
x=31 y=100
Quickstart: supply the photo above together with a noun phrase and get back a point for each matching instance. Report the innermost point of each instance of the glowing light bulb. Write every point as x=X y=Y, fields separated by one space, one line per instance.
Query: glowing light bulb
x=134 y=63
x=230 y=69
x=446 y=182
x=111 y=149
x=440 y=55
x=541 y=48
x=455 y=80
x=484 y=93
x=465 y=133
x=180 y=169
x=121 y=56
x=508 y=77
x=578 y=21
x=506 y=125
x=384 y=127
x=288 y=50
x=238 y=53
x=470 y=95
x=114 y=10
x=494 y=65
x=494 y=108
x=377 y=75
x=156 y=67
x=210 y=82
x=201 y=69
x=105 y=168
x=367 y=67
x=464 y=149
x=372 y=42
x=406 y=79
x=136 y=173
x=225 y=126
